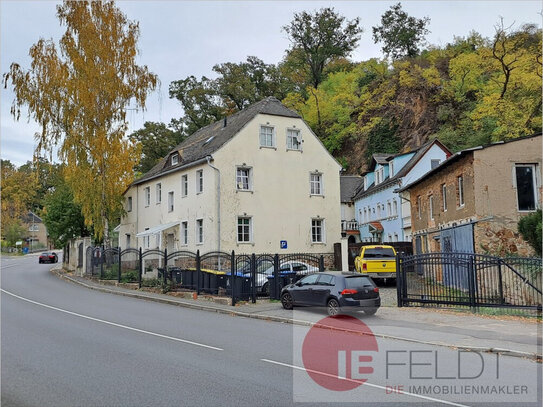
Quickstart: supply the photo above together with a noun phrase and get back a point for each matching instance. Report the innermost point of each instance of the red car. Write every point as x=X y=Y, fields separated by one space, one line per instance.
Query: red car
x=48 y=257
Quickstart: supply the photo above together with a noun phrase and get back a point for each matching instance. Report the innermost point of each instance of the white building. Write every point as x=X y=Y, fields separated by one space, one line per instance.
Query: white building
x=257 y=181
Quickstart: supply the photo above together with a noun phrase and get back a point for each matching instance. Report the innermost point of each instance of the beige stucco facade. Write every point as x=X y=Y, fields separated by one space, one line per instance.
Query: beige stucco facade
x=278 y=203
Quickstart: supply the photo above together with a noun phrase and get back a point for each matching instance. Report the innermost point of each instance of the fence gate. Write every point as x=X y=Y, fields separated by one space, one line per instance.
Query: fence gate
x=468 y=279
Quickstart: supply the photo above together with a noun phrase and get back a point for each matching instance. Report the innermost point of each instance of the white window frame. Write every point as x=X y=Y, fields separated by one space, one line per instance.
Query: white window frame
x=535 y=185
x=239 y=178
x=391 y=169
x=394 y=207
x=431 y=206
x=321 y=226
x=146 y=240
x=200 y=231
x=129 y=204
x=174 y=159
x=147 y=196
x=249 y=232
x=460 y=183
x=158 y=193
x=34 y=228
x=184 y=233
x=184 y=185
x=293 y=140
x=313 y=183
x=389 y=209
x=171 y=201
x=444 y=196
x=260 y=134
x=199 y=181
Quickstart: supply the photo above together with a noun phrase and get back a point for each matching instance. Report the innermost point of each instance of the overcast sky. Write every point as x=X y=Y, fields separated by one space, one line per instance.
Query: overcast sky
x=182 y=38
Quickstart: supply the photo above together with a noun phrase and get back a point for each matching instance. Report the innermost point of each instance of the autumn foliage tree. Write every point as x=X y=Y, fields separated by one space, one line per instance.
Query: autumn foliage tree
x=78 y=92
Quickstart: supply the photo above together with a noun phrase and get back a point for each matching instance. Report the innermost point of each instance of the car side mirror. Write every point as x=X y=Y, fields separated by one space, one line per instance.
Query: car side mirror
x=298 y=284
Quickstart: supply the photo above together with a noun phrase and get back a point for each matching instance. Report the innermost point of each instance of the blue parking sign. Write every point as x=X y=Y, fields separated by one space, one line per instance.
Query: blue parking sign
x=283 y=244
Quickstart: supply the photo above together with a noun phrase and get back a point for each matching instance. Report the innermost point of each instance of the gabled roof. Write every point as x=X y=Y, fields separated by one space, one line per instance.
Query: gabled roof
x=31 y=217
x=348 y=184
x=419 y=153
x=209 y=139
x=456 y=156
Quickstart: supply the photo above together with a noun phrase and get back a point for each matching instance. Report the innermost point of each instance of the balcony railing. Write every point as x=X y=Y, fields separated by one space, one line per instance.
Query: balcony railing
x=349 y=225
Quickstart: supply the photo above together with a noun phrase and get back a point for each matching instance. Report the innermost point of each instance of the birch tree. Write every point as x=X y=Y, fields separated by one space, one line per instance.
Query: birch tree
x=79 y=92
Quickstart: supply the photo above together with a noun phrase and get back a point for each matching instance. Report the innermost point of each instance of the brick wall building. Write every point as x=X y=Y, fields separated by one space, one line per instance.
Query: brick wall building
x=473 y=201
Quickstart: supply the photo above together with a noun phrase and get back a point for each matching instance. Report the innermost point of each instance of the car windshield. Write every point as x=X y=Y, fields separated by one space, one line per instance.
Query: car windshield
x=357 y=281
x=379 y=252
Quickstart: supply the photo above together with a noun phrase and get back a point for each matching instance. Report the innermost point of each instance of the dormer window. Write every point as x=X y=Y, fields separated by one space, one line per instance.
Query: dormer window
x=379 y=175
x=175 y=159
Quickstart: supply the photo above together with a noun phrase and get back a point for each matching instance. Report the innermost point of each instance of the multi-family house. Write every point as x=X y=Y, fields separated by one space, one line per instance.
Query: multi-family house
x=349 y=225
x=473 y=201
x=257 y=181
x=381 y=214
x=36 y=232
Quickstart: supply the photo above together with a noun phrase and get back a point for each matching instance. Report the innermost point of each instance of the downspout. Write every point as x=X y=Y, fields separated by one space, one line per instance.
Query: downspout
x=218 y=204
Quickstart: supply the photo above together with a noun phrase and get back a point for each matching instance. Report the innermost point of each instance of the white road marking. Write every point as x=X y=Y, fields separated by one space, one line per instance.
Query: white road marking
x=111 y=323
x=450 y=403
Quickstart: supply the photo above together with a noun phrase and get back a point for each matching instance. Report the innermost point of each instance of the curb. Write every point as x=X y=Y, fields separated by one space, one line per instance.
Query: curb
x=502 y=351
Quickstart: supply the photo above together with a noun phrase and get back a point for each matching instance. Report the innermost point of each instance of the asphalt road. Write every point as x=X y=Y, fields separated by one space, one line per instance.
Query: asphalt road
x=64 y=345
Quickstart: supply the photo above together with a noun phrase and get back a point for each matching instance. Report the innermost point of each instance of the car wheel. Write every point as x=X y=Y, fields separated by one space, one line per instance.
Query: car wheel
x=286 y=301
x=333 y=307
x=370 y=311
x=266 y=289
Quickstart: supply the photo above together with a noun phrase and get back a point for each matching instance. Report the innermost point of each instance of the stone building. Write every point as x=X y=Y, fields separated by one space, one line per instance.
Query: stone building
x=472 y=202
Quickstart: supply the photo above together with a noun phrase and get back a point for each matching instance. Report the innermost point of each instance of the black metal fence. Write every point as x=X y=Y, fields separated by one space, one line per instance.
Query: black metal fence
x=467 y=279
x=238 y=276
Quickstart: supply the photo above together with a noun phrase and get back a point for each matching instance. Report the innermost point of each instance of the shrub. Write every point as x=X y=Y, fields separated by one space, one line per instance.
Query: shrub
x=529 y=227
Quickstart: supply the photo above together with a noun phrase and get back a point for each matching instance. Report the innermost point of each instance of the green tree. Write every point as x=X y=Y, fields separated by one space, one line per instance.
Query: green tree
x=319 y=38
x=156 y=141
x=13 y=231
x=400 y=33
x=199 y=100
x=529 y=227
x=240 y=85
x=79 y=96
x=62 y=216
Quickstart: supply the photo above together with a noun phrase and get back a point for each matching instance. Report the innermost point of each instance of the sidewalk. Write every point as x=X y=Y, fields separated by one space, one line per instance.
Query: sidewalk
x=519 y=337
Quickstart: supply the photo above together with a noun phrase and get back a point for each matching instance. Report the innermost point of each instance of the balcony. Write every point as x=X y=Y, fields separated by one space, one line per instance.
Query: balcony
x=349 y=225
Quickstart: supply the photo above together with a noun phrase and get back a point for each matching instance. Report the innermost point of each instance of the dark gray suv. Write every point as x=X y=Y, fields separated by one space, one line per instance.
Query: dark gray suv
x=337 y=291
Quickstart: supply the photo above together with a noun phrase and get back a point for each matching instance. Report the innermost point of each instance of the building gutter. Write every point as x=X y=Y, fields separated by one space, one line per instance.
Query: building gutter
x=208 y=158
x=160 y=174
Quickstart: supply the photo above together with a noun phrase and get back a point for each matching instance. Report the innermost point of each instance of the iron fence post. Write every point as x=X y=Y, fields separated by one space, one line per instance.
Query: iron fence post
x=119 y=266
x=276 y=277
x=253 y=278
x=500 y=281
x=101 y=251
x=321 y=263
x=398 y=281
x=471 y=283
x=198 y=271
x=232 y=271
x=165 y=269
x=140 y=271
